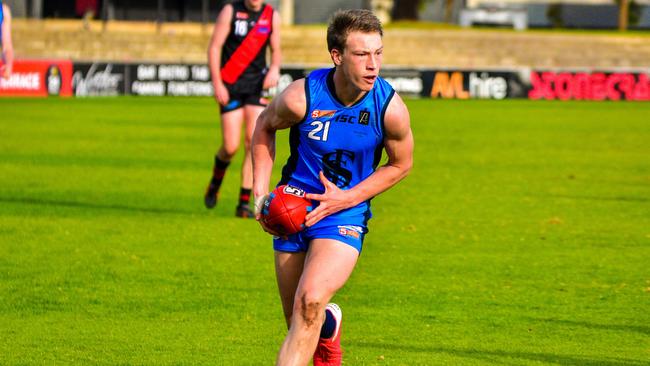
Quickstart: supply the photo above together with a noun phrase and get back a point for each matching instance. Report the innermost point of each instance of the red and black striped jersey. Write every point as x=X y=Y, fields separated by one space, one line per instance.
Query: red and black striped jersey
x=243 y=59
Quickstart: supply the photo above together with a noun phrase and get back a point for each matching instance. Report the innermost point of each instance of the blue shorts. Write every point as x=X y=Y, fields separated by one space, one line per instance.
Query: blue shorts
x=349 y=230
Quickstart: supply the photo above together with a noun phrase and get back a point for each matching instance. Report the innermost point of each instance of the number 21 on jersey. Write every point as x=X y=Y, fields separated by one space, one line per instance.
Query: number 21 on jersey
x=320 y=130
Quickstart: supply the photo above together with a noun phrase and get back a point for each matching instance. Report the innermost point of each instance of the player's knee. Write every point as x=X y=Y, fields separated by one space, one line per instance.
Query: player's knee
x=310 y=309
x=229 y=150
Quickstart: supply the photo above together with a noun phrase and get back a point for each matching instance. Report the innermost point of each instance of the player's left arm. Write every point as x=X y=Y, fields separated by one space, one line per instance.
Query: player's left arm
x=7 y=45
x=398 y=143
x=273 y=74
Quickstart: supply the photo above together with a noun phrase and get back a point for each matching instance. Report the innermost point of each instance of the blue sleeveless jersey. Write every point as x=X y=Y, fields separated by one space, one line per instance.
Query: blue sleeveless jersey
x=344 y=142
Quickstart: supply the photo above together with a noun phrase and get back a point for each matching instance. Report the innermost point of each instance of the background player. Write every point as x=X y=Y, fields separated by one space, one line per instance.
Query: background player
x=340 y=119
x=7 y=64
x=237 y=58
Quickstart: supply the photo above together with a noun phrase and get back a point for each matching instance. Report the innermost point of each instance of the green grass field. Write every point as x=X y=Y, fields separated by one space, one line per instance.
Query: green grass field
x=521 y=237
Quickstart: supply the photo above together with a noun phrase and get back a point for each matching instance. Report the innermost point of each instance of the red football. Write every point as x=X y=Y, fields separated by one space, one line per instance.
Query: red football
x=285 y=210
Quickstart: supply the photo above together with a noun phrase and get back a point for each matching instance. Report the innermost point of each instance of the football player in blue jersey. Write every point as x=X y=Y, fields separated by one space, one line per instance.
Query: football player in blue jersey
x=341 y=119
x=7 y=62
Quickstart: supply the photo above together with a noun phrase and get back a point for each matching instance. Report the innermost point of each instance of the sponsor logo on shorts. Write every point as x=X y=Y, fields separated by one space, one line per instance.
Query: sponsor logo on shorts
x=317 y=113
x=351 y=231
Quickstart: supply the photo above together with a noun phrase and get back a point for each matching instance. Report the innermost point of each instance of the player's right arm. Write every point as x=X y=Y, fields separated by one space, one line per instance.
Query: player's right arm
x=219 y=35
x=284 y=111
x=7 y=46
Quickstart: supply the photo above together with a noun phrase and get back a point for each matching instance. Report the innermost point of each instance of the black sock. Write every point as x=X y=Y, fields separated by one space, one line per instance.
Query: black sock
x=329 y=325
x=244 y=196
x=218 y=171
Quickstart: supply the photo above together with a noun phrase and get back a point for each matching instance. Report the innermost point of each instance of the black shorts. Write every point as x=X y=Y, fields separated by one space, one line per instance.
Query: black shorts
x=238 y=100
x=245 y=91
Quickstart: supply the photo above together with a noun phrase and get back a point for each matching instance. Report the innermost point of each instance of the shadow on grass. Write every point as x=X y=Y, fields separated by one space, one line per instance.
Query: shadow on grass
x=645 y=330
x=599 y=198
x=502 y=357
x=90 y=205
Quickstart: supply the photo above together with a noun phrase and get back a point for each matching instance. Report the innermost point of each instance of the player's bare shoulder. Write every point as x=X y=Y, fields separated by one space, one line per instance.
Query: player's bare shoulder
x=398 y=138
x=397 y=120
x=290 y=107
x=226 y=13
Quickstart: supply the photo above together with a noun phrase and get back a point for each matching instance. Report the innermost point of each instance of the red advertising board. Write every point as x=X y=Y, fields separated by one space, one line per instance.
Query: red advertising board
x=589 y=86
x=38 y=78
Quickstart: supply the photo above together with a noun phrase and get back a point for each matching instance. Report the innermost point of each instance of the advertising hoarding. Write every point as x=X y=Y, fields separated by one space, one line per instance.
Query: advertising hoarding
x=98 y=79
x=169 y=80
x=563 y=85
x=473 y=84
x=38 y=78
x=62 y=77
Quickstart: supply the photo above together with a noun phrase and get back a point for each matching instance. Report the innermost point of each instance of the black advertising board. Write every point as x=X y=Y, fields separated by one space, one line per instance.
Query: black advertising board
x=406 y=82
x=186 y=79
x=474 y=84
x=287 y=76
x=169 y=79
x=98 y=79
